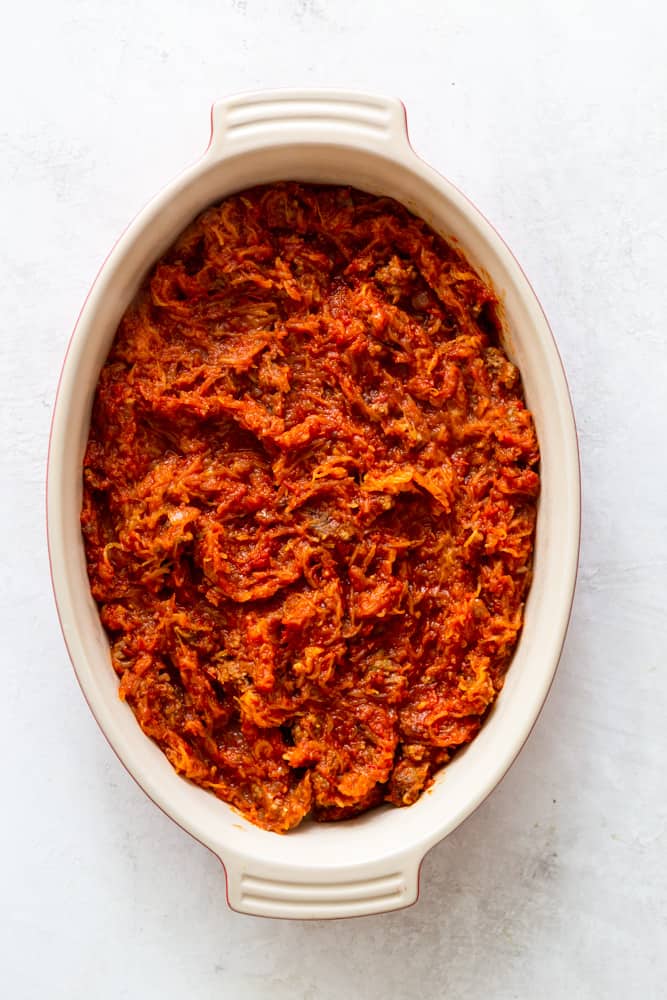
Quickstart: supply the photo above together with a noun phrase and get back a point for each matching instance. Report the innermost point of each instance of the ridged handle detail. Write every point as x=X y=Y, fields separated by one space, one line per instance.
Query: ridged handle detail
x=267 y=117
x=318 y=895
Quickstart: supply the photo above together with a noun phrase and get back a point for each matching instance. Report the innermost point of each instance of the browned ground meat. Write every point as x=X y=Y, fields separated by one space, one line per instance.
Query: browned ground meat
x=309 y=503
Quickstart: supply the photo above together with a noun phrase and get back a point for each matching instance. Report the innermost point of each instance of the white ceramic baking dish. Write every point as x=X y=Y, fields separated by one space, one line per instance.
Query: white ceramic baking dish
x=371 y=863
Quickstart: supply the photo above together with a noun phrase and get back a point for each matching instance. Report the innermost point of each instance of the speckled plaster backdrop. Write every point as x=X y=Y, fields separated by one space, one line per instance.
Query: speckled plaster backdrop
x=553 y=118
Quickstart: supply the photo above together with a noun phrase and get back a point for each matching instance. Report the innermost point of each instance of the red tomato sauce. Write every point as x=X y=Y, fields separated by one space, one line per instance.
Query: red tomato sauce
x=309 y=503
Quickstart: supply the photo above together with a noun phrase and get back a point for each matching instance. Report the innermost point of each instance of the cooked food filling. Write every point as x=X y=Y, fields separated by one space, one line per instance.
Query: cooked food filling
x=309 y=503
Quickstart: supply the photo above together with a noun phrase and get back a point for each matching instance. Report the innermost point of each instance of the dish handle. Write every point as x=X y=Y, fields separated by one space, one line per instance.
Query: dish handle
x=288 y=117
x=319 y=893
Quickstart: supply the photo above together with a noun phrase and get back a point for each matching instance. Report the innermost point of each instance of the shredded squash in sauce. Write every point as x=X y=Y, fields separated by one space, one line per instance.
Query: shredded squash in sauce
x=309 y=503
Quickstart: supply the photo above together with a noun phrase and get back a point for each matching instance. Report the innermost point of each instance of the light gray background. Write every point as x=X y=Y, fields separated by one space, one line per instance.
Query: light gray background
x=552 y=117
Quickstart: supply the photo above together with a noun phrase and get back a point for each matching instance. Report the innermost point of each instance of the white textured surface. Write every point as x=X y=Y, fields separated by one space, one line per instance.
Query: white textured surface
x=553 y=118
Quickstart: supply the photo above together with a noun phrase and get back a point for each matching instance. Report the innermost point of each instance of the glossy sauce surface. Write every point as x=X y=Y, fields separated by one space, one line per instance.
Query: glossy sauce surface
x=309 y=503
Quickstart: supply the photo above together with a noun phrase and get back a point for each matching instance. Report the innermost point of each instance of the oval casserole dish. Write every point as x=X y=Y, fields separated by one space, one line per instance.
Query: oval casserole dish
x=369 y=864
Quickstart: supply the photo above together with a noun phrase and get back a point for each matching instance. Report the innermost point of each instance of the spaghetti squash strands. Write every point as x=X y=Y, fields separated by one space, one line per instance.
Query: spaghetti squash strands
x=309 y=503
